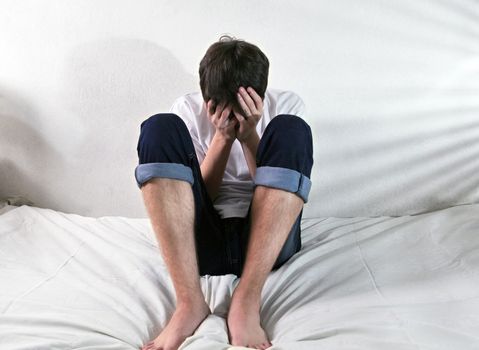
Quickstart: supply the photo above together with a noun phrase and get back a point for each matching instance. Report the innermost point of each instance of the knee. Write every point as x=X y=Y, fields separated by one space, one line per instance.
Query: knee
x=289 y=121
x=163 y=127
x=290 y=127
x=287 y=143
x=288 y=131
x=162 y=121
x=164 y=137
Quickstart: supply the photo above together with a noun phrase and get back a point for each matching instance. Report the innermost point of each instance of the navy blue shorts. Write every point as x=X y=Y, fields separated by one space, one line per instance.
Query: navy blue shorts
x=284 y=160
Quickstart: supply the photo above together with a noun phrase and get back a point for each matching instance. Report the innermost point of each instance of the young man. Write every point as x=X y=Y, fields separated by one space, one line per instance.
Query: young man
x=224 y=177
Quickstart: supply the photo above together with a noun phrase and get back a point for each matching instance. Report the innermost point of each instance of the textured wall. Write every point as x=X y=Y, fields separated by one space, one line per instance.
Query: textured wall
x=391 y=88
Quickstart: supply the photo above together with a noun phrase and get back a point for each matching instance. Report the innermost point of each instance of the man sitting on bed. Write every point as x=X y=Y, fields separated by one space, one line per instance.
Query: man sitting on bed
x=224 y=177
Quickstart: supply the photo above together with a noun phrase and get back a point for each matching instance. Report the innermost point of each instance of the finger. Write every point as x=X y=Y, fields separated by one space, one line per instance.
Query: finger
x=210 y=108
x=257 y=98
x=218 y=112
x=247 y=98
x=220 y=108
x=244 y=106
x=239 y=117
x=225 y=113
x=224 y=118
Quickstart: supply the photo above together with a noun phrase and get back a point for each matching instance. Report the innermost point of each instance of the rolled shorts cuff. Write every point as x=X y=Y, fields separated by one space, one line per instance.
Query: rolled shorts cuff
x=284 y=179
x=144 y=172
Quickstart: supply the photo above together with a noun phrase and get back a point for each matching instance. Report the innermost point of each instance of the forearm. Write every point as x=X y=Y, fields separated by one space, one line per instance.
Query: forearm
x=250 y=147
x=214 y=164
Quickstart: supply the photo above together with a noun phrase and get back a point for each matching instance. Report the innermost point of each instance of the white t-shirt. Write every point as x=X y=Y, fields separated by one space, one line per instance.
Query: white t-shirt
x=236 y=190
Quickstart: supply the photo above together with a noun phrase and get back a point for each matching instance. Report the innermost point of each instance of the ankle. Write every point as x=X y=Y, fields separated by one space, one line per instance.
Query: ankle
x=247 y=297
x=190 y=301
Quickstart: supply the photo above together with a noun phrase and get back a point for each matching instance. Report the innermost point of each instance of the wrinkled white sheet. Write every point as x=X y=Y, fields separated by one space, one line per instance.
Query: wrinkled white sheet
x=411 y=282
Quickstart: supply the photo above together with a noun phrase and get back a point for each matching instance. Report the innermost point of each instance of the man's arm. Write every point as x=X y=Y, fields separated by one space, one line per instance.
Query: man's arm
x=252 y=106
x=250 y=147
x=214 y=164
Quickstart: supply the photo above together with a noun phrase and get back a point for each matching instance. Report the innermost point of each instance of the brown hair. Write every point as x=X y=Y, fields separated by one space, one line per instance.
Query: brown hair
x=228 y=64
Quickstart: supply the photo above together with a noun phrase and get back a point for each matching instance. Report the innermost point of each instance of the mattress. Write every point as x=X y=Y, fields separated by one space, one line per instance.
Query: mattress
x=408 y=282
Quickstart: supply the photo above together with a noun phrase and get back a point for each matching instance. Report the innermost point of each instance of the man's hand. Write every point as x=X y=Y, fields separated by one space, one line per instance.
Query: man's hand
x=214 y=165
x=219 y=117
x=252 y=106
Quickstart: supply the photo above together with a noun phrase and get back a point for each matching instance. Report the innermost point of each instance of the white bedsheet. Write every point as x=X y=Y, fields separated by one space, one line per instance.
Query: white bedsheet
x=411 y=282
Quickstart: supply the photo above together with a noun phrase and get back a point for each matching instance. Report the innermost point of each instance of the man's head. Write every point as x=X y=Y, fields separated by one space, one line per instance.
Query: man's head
x=229 y=64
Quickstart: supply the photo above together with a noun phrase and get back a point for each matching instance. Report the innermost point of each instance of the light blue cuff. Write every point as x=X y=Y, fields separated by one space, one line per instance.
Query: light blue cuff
x=145 y=172
x=284 y=179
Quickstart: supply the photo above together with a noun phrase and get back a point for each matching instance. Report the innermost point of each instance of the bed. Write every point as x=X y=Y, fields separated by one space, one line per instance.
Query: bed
x=408 y=282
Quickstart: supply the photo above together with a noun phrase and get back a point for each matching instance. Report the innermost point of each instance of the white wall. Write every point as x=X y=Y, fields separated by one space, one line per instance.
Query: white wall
x=391 y=89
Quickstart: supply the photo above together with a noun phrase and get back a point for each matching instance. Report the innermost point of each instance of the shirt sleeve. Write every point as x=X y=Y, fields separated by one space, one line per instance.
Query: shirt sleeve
x=182 y=109
x=291 y=103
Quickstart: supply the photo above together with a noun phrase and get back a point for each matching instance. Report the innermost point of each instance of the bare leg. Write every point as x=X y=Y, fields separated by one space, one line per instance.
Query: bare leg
x=273 y=213
x=170 y=206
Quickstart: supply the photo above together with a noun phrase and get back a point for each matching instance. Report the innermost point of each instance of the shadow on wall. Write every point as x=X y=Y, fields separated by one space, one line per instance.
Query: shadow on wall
x=80 y=156
x=122 y=75
x=25 y=153
x=109 y=87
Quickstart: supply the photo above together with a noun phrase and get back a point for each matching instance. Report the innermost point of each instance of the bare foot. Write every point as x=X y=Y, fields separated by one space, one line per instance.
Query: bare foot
x=183 y=323
x=244 y=323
